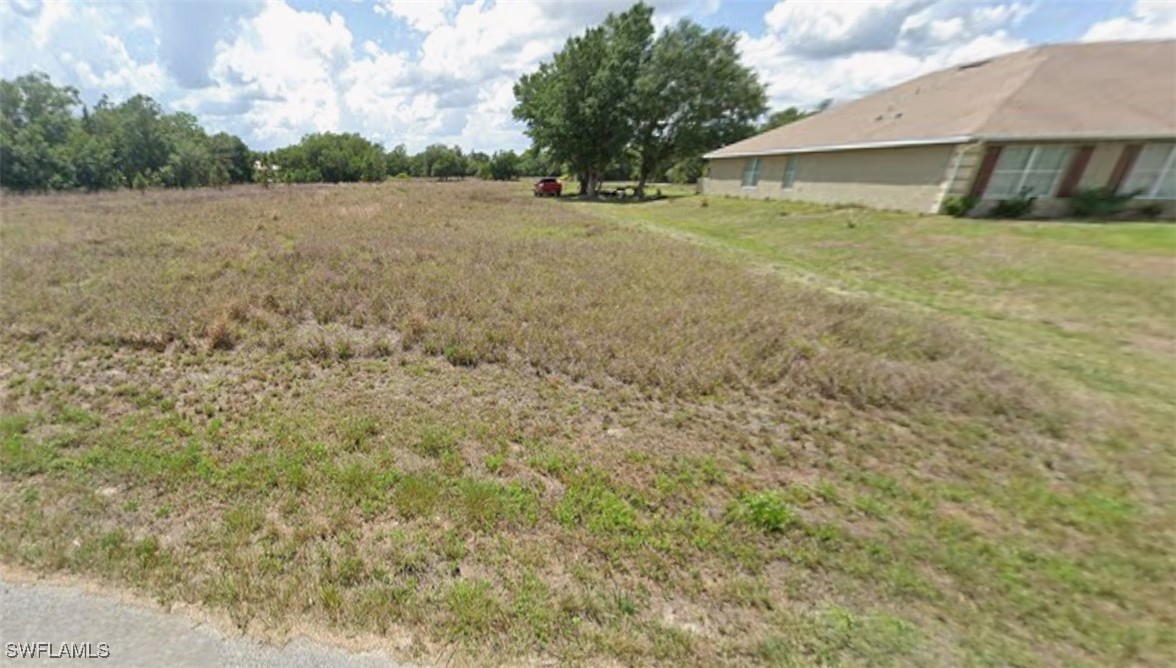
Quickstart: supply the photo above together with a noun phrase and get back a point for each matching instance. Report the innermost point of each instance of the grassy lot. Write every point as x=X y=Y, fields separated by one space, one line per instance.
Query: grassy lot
x=491 y=427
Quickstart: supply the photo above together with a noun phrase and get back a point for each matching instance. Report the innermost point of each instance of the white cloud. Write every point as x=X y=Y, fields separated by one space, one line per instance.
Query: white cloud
x=292 y=61
x=828 y=29
x=426 y=71
x=422 y=15
x=1149 y=19
x=814 y=51
x=79 y=45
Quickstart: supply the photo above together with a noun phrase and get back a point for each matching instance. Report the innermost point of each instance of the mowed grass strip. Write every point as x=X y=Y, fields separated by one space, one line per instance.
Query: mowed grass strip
x=466 y=421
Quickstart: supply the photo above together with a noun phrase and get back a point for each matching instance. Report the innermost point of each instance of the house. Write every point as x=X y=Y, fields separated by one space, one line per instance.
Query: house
x=1049 y=121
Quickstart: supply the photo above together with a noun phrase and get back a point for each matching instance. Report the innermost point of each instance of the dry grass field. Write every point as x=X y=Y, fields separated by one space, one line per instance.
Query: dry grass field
x=485 y=427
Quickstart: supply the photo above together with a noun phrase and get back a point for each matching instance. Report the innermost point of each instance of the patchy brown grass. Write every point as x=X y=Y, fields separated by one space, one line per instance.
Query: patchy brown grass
x=503 y=427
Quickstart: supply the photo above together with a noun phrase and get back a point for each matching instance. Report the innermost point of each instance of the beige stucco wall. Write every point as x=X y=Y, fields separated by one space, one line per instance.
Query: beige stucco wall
x=907 y=179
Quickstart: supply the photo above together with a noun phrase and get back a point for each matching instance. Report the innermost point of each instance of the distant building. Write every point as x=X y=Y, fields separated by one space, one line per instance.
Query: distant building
x=1049 y=121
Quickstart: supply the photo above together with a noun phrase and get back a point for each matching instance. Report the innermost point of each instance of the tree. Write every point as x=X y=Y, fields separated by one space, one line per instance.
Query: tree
x=188 y=165
x=36 y=124
x=333 y=158
x=537 y=162
x=139 y=135
x=791 y=115
x=447 y=163
x=503 y=166
x=579 y=105
x=218 y=175
x=92 y=161
x=232 y=153
x=397 y=161
x=693 y=94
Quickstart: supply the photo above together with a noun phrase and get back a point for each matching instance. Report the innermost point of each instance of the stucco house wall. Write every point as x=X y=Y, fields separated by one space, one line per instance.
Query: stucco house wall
x=916 y=179
x=905 y=179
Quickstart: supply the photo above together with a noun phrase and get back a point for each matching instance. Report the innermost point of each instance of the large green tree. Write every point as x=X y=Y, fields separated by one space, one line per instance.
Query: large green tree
x=233 y=155
x=398 y=161
x=36 y=123
x=693 y=94
x=503 y=166
x=580 y=106
x=333 y=158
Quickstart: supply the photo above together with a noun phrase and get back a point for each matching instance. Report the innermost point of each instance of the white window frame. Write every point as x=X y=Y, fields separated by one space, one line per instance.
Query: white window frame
x=790 y=167
x=752 y=168
x=1027 y=170
x=1152 y=191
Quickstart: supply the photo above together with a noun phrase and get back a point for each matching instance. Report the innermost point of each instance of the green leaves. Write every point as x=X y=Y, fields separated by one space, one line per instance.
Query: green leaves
x=694 y=94
x=580 y=105
x=45 y=146
x=332 y=157
x=616 y=88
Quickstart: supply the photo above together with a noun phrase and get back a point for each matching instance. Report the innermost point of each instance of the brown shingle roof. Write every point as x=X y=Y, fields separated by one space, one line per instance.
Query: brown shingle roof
x=1099 y=90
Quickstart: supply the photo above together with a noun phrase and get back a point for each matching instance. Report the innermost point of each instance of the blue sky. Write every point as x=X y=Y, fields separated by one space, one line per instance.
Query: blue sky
x=424 y=71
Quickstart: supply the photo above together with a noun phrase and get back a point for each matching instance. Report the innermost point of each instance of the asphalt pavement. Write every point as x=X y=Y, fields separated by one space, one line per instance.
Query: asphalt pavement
x=133 y=636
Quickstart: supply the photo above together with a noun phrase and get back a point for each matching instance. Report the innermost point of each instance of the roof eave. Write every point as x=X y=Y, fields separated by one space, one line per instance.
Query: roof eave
x=935 y=141
x=826 y=148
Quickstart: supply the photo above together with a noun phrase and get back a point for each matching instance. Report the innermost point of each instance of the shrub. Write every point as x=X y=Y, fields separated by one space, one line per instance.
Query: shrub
x=1151 y=210
x=1099 y=202
x=765 y=511
x=959 y=206
x=1014 y=207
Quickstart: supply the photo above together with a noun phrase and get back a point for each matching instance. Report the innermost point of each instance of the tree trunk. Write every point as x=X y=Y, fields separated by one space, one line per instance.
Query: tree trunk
x=591 y=185
x=640 y=194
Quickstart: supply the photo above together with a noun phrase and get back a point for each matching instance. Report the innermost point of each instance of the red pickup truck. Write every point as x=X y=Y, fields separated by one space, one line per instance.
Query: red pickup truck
x=548 y=187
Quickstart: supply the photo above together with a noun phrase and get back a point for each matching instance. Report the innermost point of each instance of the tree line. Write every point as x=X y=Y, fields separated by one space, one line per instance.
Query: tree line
x=49 y=140
x=615 y=103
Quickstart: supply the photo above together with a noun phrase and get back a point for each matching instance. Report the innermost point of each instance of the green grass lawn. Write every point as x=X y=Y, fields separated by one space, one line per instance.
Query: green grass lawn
x=1087 y=304
x=459 y=421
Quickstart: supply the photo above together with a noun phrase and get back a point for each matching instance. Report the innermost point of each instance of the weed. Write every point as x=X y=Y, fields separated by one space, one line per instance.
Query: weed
x=596 y=507
x=416 y=495
x=358 y=431
x=474 y=609
x=436 y=440
x=765 y=511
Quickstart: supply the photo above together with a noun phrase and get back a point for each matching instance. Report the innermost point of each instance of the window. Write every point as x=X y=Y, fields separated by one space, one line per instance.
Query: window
x=751 y=172
x=1154 y=173
x=1034 y=170
x=790 y=172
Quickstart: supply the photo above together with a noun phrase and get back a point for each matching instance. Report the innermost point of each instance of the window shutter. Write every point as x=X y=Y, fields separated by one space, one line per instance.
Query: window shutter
x=1123 y=166
x=1074 y=174
x=985 y=172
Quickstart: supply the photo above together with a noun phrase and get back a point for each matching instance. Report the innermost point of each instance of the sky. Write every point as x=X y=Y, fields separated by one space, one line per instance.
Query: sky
x=417 y=72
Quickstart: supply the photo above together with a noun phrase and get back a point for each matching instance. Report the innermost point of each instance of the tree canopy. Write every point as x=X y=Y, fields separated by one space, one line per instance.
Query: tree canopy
x=616 y=90
x=50 y=141
x=693 y=94
x=581 y=105
x=332 y=158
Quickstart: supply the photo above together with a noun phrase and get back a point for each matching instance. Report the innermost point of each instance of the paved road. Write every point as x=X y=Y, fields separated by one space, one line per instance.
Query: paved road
x=41 y=613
